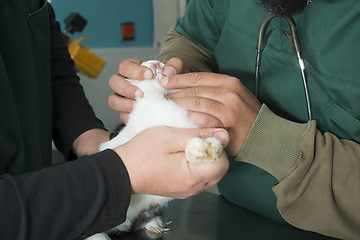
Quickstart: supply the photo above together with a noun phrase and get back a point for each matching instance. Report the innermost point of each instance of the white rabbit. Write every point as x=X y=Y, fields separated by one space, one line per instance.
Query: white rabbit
x=153 y=109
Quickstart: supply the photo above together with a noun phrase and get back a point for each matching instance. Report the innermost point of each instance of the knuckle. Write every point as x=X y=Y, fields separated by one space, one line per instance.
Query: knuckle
x=201 y=133
x=175 y=61
x=122 y=67
x=112 y=101
x=193 y=91
x=202 y=121
x=233 y=81
x=195 y=78
x=112 y=81
x=232 y=97
x=197 y=102
x=233 y=84
x=140 y=74
x=205 y=120
x=123 y=117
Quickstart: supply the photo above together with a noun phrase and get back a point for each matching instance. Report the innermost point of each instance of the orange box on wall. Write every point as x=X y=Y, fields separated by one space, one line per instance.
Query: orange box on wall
x=127 y=31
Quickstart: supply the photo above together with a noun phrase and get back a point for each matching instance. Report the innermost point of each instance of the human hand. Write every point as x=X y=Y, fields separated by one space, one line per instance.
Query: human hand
x=216 y=100
x=156 y=163
x=88 y=142
x=124 y=95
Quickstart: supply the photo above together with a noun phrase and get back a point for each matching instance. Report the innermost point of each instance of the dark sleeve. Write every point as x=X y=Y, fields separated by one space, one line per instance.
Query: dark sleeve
x=72 y=113
x=69 y=201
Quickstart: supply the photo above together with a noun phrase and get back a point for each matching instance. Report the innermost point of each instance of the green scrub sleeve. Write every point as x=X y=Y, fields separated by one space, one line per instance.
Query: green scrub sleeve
x=195 y=58
x=272 y=138
x=319 y=177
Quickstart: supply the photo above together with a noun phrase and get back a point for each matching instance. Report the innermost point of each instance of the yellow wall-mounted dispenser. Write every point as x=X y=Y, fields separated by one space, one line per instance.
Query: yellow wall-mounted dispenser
x=85 y=60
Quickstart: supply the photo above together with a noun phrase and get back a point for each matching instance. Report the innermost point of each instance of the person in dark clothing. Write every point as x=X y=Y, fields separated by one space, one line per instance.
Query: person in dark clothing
x=42 y=100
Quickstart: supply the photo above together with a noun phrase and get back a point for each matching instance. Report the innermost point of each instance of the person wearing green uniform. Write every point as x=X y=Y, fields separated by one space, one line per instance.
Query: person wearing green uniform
x=41 y=99
x=296 y=171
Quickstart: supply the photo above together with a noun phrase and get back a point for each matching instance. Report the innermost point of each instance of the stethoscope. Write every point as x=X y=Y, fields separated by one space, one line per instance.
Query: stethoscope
x=295 y=45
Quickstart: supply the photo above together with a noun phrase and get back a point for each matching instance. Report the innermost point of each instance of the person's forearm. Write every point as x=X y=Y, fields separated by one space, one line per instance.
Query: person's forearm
x=69 y=201
x=72 y=113
x=195 y=58
x=319 y=177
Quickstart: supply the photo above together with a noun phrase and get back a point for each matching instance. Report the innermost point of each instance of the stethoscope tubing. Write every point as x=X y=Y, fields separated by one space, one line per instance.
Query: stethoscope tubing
x=295 y=45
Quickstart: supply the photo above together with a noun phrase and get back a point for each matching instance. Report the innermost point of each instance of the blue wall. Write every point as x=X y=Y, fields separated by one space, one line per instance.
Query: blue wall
x=104 y=18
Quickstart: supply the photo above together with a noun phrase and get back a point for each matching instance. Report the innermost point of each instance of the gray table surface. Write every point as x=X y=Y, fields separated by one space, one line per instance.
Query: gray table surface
x=208 y=216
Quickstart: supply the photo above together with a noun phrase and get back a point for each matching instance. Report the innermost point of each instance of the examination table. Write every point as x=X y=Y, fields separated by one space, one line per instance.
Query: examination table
x=208 y=216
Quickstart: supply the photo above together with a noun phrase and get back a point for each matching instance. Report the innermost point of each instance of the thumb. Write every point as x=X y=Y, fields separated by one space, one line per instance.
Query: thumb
x=182 y=136
x=220 y=133
x=174 y=66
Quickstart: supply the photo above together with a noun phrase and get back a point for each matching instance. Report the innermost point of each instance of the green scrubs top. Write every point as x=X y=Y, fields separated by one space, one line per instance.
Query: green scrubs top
x=328 y=33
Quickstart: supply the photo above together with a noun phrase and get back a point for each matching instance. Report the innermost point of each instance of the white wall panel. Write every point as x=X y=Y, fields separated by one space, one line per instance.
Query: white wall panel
x=166 y=13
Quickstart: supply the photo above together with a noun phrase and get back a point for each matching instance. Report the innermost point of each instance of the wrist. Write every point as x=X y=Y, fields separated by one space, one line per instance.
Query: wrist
x=131 y=166
x=272 y=143
x=88 y=142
